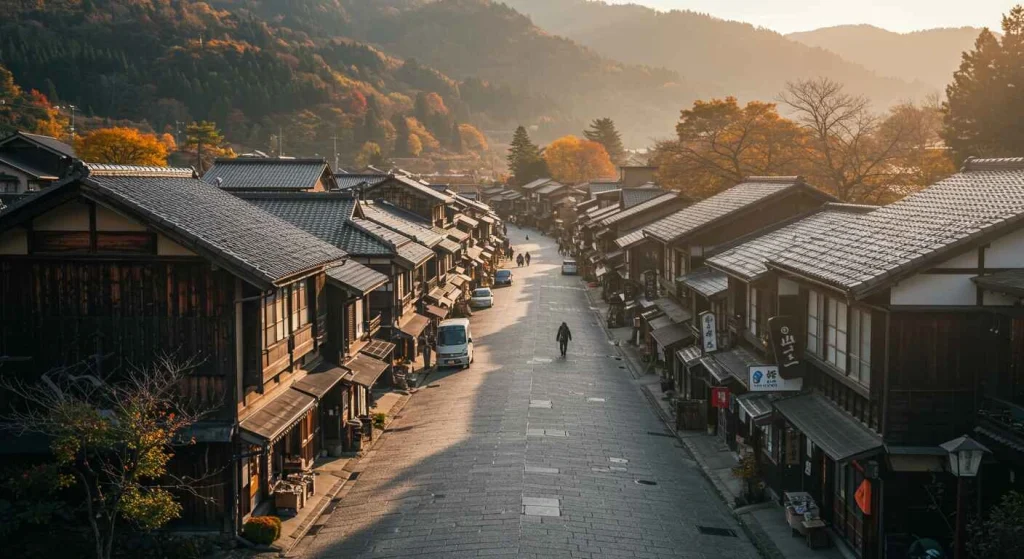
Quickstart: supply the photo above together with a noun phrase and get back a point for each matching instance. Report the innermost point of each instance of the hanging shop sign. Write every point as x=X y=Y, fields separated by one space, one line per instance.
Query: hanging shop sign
x=766 y=378
x=782 y=332
x=708 y=331
x=720 y=397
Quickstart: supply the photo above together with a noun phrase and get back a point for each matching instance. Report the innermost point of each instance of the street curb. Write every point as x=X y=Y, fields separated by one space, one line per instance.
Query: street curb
x=750 y=526
x=339 y=485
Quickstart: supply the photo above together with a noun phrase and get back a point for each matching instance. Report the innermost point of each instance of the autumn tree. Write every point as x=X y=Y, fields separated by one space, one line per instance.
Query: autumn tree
x=455 y=139
x=719 y=143
x=111 y=439
x=603 y=131
x=402 y=137
x=851 y=156
x=205 y=140
x=472 y=139
x=370 y=154
x=121 y=146
x=525 y=160
x=922 y=158
x=573 y=160
x=29 y=111
x=987 y=95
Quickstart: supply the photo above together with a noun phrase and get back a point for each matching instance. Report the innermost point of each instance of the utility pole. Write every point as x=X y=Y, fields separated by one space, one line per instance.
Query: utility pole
x=335 y=138
x=280 y=141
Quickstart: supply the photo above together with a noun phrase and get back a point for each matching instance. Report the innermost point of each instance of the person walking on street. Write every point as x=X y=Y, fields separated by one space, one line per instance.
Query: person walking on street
x=519 y=261
x=527 y=258
x=563 y=336
x=511 y=253
x=427 y=352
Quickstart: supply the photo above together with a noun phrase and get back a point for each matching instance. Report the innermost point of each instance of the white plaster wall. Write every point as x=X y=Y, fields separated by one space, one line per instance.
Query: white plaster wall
x=167 y=247
x=109 y=220
x=967 y=259
x=935 y=289
x=14 y=241
x=1006 y=251
x=73 y=216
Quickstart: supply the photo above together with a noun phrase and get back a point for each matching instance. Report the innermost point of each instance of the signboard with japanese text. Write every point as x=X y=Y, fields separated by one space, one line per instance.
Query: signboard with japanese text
x=651 y=285
x=785 y=339
x=708 y=331
x=766 y=378
x=720 y=397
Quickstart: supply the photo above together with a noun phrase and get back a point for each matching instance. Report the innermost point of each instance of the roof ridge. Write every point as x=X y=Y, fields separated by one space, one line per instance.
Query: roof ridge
x=850 y=208
x=993 y=164
x=304 y=160
x=780 y=179
x=278 y=195
x=138 y=171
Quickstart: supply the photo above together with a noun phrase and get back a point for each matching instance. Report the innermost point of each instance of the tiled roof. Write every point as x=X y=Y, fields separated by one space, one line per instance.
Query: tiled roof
x=449 y=245
x=650 y=204
x=987 y=196
x=258 y=245
x=630 y=238
x=594 y=188
x=586 y=205
x=415 y=186
x=462 y=218
x=747 y=260
x=707 y=282
x=726 y=203
x=837 y=433
x=405 y=247
x=349 y=180
x=357 y=277
x=550 y=188
x=1010 y=282
x=25 y=167
x=634 y=196
x=322 y=214
x=381 y=215
x=48 y=142
x=457 y=235
x=534 y=184
x=479 y=206
x=264 y=173
x=493 y=190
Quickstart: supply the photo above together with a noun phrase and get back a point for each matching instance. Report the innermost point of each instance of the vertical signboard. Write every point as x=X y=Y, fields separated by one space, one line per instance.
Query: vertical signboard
x=720 y=397
x=782 y=331
x=708 y=331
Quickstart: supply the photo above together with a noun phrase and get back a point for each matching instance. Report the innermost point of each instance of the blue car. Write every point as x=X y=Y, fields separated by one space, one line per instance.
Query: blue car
x=502 y=277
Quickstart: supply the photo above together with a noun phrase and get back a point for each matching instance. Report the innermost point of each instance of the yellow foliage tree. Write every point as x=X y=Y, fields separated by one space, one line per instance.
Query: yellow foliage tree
x=573 y=160
x=122 y=146
x=427 y=140
x=415 y=146
x=472 y=139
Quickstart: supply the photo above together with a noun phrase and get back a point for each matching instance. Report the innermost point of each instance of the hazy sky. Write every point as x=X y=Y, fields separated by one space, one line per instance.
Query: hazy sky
x=800 y=15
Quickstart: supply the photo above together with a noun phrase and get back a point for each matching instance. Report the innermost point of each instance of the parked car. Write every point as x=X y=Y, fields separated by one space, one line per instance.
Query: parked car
x=569 y=267
x=502 y=277
x=481 y=297
x=454 y=343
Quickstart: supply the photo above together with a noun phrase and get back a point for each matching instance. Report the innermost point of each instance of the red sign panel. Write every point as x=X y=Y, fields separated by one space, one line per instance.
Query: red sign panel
x=720 y=397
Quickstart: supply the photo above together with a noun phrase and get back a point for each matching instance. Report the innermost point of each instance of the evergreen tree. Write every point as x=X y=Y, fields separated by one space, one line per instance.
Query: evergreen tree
x=421 y=110
x=373 y=127
x=456 y=139
x=401 y=136
x=986 y=92
x=603 y=131
x=525 y=162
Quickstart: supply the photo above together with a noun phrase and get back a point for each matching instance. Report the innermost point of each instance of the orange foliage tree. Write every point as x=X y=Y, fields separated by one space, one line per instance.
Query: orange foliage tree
x=472 y=139
x=573 y=160
x=122 y=146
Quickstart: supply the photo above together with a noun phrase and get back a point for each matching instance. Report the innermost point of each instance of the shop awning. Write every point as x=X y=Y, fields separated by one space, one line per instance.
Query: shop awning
x=366 y=370
x=660 y=322
x=272 y=421
x=460 y=270
x=707 y=282
x=600 y=271
x=379 y=349
x=436 y=293
x=717 y=371
x=321 y=379
x=838 y=435
x=676 y=312
x=738 y=362
x=457 y=280
x=689 y=355
x=594 y=258
x=414 y=325
x=672 y=334
x=437 y=312
x=758 y=405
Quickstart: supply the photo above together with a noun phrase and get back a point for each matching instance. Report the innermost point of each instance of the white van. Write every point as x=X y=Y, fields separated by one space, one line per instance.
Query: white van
x=454 y=343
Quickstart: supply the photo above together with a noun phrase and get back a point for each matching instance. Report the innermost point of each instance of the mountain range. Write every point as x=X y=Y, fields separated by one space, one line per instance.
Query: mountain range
x=309 y=68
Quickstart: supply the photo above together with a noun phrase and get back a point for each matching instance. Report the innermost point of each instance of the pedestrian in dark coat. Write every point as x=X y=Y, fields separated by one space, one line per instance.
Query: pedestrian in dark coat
x=563 y=336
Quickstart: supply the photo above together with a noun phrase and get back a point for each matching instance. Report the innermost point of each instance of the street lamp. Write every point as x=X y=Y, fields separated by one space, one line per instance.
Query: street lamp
x=965 y=456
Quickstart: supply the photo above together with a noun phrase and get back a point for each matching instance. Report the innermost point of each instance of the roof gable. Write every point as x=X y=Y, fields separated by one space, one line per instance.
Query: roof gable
x=383 y=216
x=985 y=198
x=630 y=197
x=639 y=209
x=414 y=186
x=48 y=143
x=265 y=173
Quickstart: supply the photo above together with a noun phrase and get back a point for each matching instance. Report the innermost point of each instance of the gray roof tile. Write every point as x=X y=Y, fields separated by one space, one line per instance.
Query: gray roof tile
x=649 y=205
x=268 y=248
x=347 y=181
x=707 y=282
x=747 y=193
x=882 y=246
x=357 y=277
x=259 y=173
x=383 y=215
x=405 y=247
x=631 y=197
x=1010 y=282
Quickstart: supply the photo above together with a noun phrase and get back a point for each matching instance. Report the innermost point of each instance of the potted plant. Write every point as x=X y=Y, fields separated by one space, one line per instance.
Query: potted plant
x=747 y=471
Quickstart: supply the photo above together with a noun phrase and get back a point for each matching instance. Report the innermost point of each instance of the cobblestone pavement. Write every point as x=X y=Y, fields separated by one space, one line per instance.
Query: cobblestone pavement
x=526 y=454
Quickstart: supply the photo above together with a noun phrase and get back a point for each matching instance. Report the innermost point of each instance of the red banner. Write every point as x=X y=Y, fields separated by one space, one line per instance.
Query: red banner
x=720 y=397
x=863 y=496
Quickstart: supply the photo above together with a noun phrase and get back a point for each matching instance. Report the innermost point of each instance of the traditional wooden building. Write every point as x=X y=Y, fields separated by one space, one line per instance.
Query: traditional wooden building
x=413 y=196
x=902 y=343
x=31 y=162
x=121 y=265
x=271 y=174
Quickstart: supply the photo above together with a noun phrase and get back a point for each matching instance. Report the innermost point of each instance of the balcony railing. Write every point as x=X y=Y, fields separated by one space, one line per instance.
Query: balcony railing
x=373 y=326
x=1004 y=414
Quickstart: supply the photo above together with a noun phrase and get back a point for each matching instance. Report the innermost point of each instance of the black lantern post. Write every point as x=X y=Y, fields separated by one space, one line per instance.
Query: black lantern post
x=965 y=456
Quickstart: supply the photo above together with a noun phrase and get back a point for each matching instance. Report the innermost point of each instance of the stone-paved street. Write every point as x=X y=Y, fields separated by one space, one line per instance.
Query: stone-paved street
x=572 y=442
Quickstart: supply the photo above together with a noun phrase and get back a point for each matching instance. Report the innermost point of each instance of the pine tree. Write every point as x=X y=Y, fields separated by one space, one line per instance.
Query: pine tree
x=603 y=131
x=401 y=136
x=524 y=158
x=456 y=138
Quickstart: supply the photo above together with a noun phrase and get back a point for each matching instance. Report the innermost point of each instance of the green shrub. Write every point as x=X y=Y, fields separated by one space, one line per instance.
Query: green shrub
x=379 y=419
x=262 y=530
